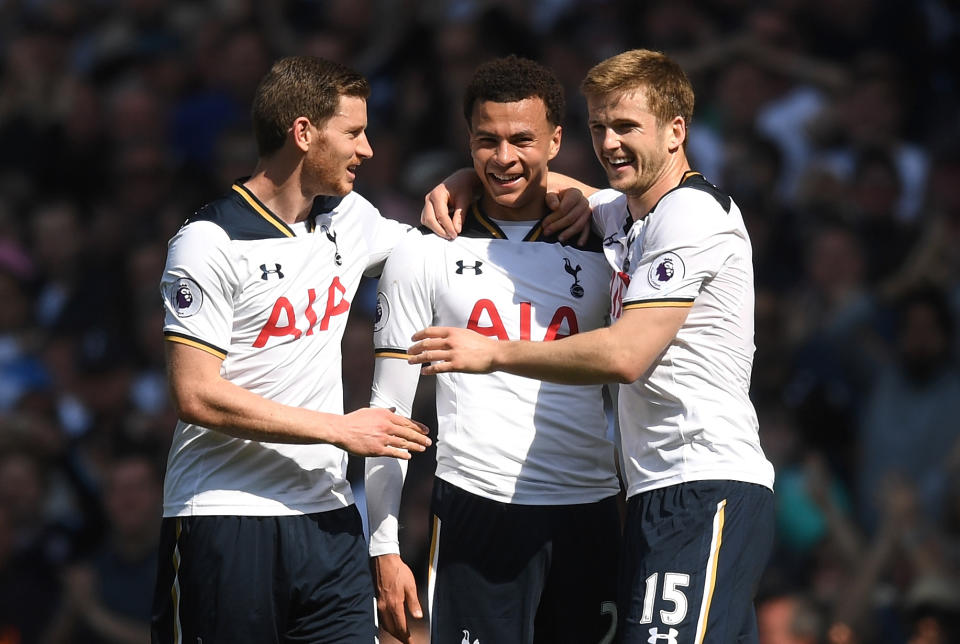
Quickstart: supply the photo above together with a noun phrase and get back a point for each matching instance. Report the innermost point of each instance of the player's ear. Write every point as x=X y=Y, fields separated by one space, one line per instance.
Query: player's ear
x=555 y=141
x=676 y=133
x=301 y=132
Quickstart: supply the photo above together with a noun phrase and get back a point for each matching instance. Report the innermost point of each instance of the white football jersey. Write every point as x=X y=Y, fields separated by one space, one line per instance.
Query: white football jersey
x=271 y=300
x=501 y=436
x=690 y=417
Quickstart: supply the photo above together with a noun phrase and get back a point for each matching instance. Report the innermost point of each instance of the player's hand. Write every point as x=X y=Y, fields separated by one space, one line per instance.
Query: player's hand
x=396 y=596
x=380 y=432
x=569 y=214
x=443 y=207
x=452 y=349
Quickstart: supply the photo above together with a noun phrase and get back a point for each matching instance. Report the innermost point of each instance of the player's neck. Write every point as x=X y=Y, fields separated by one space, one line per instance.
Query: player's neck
x=641 y=204
x=533 y=211
x=279 y=189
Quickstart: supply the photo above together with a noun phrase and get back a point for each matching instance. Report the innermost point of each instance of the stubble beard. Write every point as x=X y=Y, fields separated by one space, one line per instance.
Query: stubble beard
x=321 y=179
x=651 y=168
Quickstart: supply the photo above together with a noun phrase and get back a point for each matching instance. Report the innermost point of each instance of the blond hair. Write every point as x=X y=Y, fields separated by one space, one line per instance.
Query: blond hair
x=663 y=82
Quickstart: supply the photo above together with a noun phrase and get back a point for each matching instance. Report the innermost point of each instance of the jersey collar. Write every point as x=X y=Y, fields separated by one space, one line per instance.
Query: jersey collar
x=261 y=209
x=689 y=177
x=478 y=224
x=321 y=206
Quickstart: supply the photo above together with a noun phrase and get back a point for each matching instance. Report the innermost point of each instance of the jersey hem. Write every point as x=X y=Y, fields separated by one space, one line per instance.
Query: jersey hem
x=638 y=488
x=274 y=510
x=590 y=494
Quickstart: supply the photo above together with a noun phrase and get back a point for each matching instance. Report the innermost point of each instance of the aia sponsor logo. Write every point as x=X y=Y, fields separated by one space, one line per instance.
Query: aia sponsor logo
x=485 y=319
x=284 y=320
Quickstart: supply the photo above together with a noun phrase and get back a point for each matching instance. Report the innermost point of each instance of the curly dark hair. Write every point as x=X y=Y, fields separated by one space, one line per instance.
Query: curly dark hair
x=512 y=78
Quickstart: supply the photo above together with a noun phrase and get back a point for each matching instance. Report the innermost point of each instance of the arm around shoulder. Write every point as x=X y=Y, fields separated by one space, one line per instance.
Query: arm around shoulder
x=557 y=182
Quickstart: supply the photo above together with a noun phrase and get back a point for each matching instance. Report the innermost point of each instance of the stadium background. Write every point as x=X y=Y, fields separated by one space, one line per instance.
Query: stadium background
x=833 y=123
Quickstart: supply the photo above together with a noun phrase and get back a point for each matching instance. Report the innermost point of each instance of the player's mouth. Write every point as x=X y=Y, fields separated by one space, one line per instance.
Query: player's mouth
x=352 y=171
x=619 y=163
x=505 y=180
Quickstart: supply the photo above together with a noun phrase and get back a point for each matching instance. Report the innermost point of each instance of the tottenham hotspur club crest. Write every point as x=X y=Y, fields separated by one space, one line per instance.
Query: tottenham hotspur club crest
x=332 y=236
x=575 y=289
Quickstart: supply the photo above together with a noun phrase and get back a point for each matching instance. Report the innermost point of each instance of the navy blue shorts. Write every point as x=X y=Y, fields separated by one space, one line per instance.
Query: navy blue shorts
x=693 y=556
x=502 y=572
x=230 y=579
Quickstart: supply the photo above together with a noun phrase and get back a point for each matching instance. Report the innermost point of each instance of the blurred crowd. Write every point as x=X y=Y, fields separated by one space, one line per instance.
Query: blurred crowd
x=833 y=123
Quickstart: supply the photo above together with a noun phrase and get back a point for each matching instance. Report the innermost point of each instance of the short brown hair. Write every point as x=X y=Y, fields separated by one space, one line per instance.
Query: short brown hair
x=511 y=79
x=665 y=85
x=300 y=86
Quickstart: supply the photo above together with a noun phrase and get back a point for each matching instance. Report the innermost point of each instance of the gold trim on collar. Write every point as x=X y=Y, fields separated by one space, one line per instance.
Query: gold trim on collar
x=263 y=212
x=486 y=223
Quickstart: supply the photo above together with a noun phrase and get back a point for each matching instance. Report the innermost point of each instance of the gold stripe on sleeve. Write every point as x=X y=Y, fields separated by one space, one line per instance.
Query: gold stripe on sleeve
x=389 y=353
x=659 y=304
x=190 y=342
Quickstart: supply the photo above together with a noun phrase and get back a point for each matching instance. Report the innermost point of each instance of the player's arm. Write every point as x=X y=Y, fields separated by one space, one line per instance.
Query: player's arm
x=622 y=352
x=203 y=397
x=404 y=303
x=445 y=205
x=394 y=385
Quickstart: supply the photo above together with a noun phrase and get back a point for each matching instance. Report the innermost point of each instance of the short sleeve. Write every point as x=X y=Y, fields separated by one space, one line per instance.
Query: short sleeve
x=684 y=242
x=607 y=215
x=382 y=235
x=404 y=296
x=198 y=287
x=404 y=306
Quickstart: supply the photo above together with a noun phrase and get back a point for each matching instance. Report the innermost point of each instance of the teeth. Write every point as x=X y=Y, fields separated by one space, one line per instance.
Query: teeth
x=618 y=162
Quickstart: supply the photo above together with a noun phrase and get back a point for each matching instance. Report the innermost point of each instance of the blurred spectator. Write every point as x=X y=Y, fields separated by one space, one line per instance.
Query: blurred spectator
x=936 y=256
x=908 y=426
x=57 y=243
x=21 y=370
x=790 y=618
x=933 y=605
x=874 y=194
x=827 y=323
x=870 y=113
x=107 y=597
x=28 y=586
